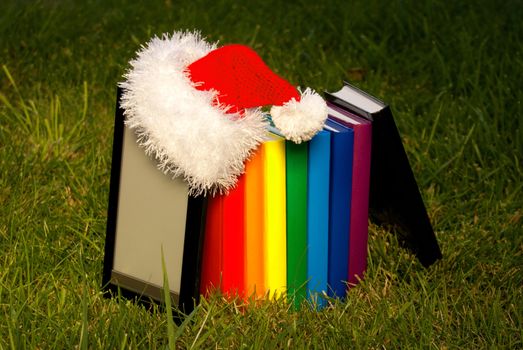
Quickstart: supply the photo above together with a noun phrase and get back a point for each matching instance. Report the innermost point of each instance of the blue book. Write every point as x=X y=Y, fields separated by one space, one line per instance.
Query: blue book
x=318 y=216
x=342 y=146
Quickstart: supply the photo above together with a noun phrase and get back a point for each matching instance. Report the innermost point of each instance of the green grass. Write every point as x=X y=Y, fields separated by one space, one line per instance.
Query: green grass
x=452 y=74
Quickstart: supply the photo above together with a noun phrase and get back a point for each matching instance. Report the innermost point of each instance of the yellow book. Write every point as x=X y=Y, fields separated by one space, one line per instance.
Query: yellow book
x=275 y=247
x=254 y=226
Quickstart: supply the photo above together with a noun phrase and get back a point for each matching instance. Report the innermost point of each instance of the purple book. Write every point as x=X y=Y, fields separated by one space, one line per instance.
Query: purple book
x=359 y=211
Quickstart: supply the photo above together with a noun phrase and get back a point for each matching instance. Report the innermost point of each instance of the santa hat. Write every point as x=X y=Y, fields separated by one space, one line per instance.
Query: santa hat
x=196 y=108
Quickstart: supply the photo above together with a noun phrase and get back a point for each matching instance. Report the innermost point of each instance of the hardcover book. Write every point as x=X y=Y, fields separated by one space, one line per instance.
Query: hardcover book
x=296 y=184
x=395 y=198
x=340 y=236
x=254 y=225
x=275 y=247
x=233 y=277
x=223 y=261
x=212 y=254
x=318 y=216
x=359 y=209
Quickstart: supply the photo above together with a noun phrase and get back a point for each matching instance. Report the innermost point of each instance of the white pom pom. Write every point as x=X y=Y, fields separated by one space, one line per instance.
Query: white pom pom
x=300 y=120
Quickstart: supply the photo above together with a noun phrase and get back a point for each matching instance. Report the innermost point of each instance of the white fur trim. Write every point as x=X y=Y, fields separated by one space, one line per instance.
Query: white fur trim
x=178 y=124
x=300 y=120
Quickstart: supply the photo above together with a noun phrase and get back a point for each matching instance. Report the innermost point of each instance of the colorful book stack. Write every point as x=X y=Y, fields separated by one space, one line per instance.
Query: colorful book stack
x=296 y=223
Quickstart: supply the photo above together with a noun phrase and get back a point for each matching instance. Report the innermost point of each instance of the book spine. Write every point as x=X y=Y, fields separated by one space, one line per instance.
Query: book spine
x=211 y=273
x=359 y=228
x=296 y=183
x=318 y=216
x=359 y=210
x=233 y=240
x=340 y=210
x=275 y=218
x=254 y=225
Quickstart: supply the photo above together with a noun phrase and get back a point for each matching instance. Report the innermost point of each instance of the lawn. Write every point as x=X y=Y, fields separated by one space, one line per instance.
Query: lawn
x=452 y=73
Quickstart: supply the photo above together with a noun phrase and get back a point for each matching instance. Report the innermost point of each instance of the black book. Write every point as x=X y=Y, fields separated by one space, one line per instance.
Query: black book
x=150 y=218
x=394 y=197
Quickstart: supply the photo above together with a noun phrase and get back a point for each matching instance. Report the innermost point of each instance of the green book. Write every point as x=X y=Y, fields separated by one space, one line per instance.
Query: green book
x=296 y=187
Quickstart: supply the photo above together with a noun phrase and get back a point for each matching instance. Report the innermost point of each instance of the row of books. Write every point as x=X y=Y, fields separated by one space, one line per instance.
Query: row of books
x=158 y=235
x=297 y=222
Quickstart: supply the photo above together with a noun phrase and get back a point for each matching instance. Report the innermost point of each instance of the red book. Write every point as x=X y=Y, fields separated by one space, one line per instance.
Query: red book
x=223 y=247
x=233 y=233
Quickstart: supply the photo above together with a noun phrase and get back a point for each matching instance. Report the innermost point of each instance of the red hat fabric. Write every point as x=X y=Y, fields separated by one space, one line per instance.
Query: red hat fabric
x=241 y=78
x=196 y=108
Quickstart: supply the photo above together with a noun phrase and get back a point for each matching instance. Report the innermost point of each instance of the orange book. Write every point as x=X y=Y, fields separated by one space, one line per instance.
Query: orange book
x=254 y=227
